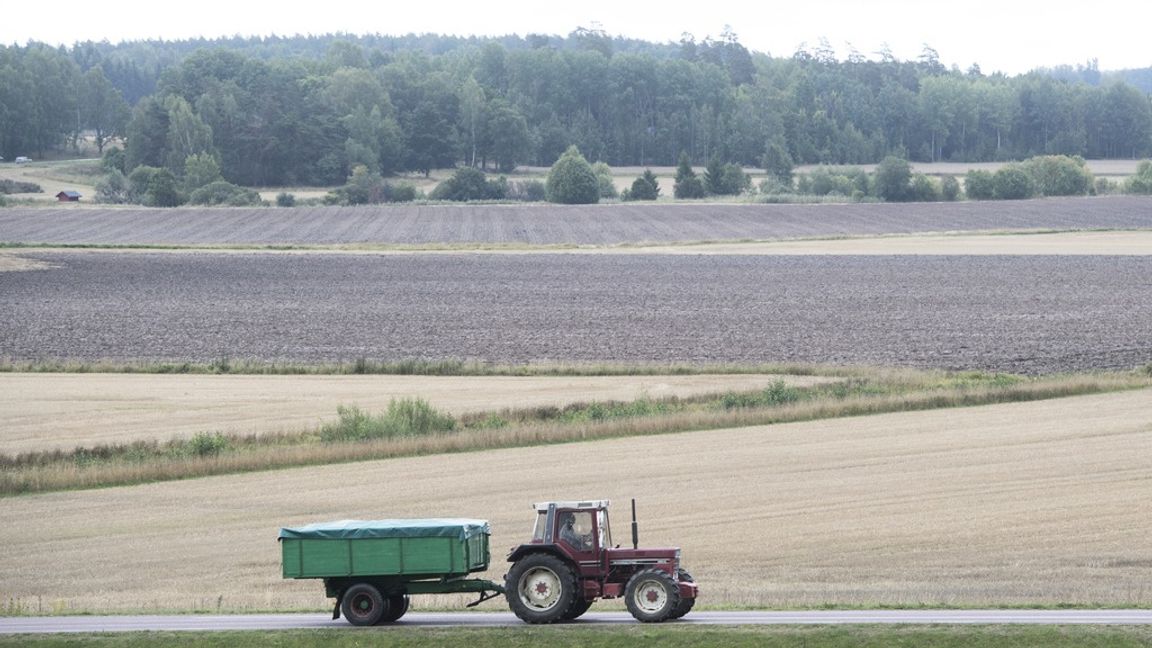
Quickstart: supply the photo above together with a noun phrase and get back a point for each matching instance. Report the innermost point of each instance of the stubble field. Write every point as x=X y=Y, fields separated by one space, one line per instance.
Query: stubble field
x=55 y=411
x=1024 y=314
x=1019 y=504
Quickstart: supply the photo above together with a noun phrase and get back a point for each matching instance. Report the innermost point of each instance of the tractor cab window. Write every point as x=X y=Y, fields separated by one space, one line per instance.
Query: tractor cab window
x=602 y=527
x=540 y=529
x=576 y=529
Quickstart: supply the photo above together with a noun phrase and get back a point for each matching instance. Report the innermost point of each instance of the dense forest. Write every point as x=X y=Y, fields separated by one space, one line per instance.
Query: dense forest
x=307 y=110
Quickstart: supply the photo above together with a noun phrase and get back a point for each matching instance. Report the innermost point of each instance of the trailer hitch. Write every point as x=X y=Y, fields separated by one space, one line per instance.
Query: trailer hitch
x=484 y=596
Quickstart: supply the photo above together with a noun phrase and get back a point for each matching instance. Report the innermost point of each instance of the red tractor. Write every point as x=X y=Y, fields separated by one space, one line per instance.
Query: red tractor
x=571 y=562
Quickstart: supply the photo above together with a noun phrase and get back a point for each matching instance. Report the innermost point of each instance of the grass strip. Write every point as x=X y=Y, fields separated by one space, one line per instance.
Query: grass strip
x=417 y=367
x=614 y=636
x=412 y=428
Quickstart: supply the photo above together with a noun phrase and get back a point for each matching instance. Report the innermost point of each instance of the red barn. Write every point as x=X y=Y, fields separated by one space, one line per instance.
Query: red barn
x=68 y=196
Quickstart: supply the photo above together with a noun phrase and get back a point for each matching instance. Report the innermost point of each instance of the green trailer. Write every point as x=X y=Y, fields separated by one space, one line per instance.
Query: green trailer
x=372 y=567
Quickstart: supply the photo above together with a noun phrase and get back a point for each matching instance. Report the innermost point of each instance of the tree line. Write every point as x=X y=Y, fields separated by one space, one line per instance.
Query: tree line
x=292 y=111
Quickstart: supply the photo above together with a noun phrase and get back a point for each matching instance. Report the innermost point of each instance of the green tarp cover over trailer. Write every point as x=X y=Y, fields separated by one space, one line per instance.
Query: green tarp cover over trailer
x=460 y=528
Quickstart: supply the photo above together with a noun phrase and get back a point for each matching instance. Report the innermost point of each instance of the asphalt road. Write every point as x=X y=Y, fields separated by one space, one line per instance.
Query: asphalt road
x=90 y=624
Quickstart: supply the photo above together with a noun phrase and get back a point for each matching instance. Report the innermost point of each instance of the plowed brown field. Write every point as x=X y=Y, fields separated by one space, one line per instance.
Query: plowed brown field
x=556 y=224
x=1031 y=314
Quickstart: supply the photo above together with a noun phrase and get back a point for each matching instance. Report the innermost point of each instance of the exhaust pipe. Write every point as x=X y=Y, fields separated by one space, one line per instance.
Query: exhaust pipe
x=635 y=527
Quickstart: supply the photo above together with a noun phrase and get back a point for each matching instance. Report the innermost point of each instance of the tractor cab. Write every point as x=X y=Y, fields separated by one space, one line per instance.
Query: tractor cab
x=581 y=526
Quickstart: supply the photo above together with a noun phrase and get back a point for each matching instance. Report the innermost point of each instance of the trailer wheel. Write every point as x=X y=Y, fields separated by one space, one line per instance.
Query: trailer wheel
x=579 y=607
x=397 y=606
x=652 y=596
x=363 y=605
x=540 y=588
x=686 y=604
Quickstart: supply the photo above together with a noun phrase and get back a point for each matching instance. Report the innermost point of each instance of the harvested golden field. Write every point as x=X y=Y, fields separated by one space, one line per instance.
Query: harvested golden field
x=44 y=411
x=1031 y=503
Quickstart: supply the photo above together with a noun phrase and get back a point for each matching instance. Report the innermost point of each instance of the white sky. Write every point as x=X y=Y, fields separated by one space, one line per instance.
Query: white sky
x=1002 y=35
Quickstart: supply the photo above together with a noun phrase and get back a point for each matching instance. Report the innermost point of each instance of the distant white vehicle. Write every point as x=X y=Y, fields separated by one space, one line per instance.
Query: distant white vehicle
x=23 y=160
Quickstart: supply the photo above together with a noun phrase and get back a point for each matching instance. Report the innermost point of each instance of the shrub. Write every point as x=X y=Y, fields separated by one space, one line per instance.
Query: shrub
x=893 y=179
x=285 y=199
x=1141 y=183
x=154 y=187
x=114 y=189
x=687 y=184
x=725 y=179
x=571 y=180
x=112 y=160
x=772 y=186
x=978 y=185
x=1012 y=183
x=829 y=181
x=734 y=180
x=403 y=192
x=847 y=182
x=208 y=445
x=645 y=187
x=691 y=187
x=526 y=190
x=200 y=170
x=1059 y=175
x=404 y=418
x=714 y=176
x=950 y=188
x=923 y=189
x=469 y=183
x=778 y=393
x=14 y=187
x=604 y=179
x=366 y=187
x=223 y=192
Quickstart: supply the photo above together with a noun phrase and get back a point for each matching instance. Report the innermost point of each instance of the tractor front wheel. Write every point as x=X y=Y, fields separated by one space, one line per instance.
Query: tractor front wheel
x=652 y=596
x=540 y=588
x=685 y=603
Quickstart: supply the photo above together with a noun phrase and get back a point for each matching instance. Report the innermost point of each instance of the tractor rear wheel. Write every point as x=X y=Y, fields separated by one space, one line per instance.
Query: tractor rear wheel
x=540 y=588
x=685 y=603
x=652 y=595
x=397 y=606
x=579 y=607
x=363 y=605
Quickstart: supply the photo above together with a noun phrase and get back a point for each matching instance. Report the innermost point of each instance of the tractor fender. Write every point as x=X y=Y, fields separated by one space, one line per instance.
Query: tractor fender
x=551 y=549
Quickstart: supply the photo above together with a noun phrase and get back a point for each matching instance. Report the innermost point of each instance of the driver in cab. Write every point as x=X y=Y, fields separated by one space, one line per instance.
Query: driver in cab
x=577 y=537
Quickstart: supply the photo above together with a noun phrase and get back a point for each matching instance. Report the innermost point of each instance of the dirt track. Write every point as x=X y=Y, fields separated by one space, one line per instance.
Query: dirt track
x=1012 y=313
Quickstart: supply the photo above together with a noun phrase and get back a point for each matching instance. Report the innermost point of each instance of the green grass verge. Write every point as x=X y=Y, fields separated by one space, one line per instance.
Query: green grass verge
x=413 y=427
x=629 y=636
x=415 y=367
